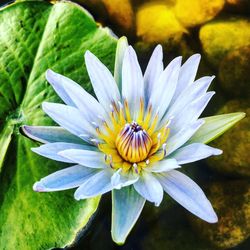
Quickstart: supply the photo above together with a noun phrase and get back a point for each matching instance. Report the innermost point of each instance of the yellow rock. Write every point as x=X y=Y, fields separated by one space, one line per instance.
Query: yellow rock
x=120 y=13
x=234 y=73
x=156 y=22
x=222 y=36
x=195 y=12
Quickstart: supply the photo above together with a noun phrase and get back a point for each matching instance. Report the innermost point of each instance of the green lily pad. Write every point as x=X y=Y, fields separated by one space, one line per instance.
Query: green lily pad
x=35 y=36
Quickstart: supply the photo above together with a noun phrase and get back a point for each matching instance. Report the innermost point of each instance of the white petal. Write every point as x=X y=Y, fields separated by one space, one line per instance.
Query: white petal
x=188 y=194
x=56 y=81
x=191 y=93
x=149 y=188
x=190 y=112
x=74 y=95
x=187 y=73
x=115 y=179
x=127 y=205
x=163 y=166
x=104 y=84
x=177 y=140
x=67 y=178
x=153 y=71
x=51 y=150
x=119 y=180
x=163 y=92
x=132 y=81
x=97 y=184
x=69 y=118
x=86 y=158
x=122 y=45
x=194 y=152
x=46 y=134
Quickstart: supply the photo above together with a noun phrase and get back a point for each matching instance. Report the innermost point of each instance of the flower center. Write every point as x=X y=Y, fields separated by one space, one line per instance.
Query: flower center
x=133 y=143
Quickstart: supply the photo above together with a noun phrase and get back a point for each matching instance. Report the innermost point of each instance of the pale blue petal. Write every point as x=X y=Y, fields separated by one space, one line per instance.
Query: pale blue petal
x=122 y=45
x=56 y=81
x=163 y=166
x=115 y=179
x=186 y=192
x=127 y=205
x=119 y=180
x=51 y=150
x=178 y=139
x=73 y=94
x=97 y=184
x=103 y=83
x=163 y=92
x=153 y=71
x=190 y=113
x=194 y=152
x=64 y=179
x=47 y=134
x=83 y=157
x=187 y=74
x=149 y=188
x=69 y=118
x=132 y=81
x=190 y=94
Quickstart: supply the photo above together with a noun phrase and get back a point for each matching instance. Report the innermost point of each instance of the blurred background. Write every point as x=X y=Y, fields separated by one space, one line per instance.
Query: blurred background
x=220 y=31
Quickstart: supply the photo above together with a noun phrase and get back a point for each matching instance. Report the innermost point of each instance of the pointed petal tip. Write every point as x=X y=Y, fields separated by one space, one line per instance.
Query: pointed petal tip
x=123 y=39
x=45 y=105
x=237 y=116
x=78 y=197
x=130 y=51
x=35 y=150
x=117 y=240
x=87 y=53
x=159 y=50
x=158 y=46
x=242 y=114
x=39 y=187
x=218 y=152
x=49 y=71
x=195 y=57
x=212 y=218
x=49 y=75
x=157 y=204
x=89 y=57
x=178 y=59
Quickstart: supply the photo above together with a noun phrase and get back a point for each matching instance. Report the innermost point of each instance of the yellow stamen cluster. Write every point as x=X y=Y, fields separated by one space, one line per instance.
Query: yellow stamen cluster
x=132 y=144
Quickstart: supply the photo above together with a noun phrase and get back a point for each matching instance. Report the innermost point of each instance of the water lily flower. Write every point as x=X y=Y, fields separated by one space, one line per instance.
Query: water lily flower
x=131 y=138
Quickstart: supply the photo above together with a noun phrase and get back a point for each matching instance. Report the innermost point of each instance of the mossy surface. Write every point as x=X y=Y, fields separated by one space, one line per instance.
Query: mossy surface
x=230 y=200
x=235 y=144
x=221 y=36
